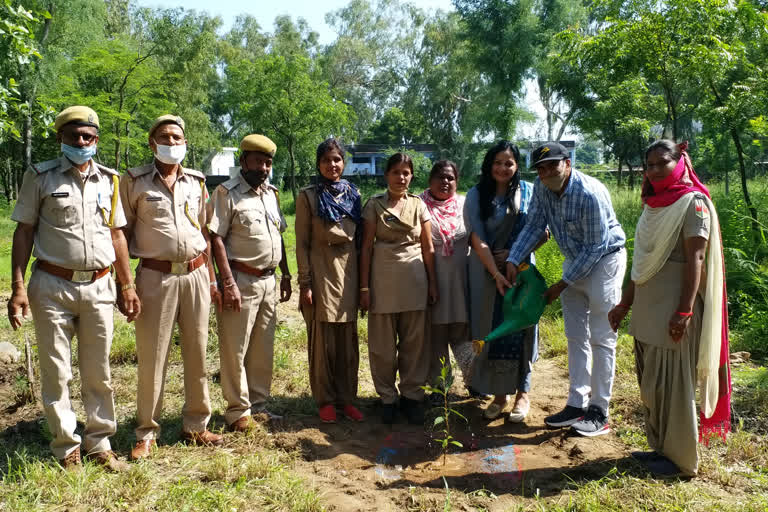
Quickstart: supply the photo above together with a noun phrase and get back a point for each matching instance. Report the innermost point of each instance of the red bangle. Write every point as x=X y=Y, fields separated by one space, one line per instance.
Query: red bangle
x=690 y=313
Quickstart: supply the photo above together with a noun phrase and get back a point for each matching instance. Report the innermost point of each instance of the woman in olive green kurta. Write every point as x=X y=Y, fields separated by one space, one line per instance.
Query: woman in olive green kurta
x=327 y=216
x=397 y=279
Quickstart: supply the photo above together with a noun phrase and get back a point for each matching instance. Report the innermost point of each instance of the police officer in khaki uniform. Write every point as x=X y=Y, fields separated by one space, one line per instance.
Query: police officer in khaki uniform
x=166 y=228
x=246 y=226
x=69 y=210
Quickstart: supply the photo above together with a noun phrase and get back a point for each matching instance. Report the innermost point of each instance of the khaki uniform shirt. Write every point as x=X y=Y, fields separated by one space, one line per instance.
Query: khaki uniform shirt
x=398 y=275
x=249 y=221
x=164 y=224
x=71 y=214
x=656 y=299
x=327 y=259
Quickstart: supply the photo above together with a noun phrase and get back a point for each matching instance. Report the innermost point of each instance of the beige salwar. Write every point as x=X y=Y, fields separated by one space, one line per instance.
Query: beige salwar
x=398 y=338
x=327 y=261
x=666 y=370
x=397 y=343
x=667 y=381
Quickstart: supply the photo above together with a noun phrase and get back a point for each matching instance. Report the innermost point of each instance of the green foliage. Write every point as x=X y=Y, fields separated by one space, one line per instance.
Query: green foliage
x=447 y=412
x=289 y=102
x=17 y=52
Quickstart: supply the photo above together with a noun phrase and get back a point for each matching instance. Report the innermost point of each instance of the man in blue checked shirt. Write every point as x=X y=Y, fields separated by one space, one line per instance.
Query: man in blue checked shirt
x=580 y=216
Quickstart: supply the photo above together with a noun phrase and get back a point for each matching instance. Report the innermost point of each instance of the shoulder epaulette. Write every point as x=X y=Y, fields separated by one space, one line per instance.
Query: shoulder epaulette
x=139 y=171
x=196 y=174
x=46 y=166
x=108 y=170
x=269 y=185
x=231 y=183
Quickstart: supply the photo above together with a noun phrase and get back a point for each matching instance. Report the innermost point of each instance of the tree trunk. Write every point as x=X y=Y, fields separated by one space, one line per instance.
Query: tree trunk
x=756 y=231
x=292 y=174
x=631 y=175
x=30 y=95
x=618 y=175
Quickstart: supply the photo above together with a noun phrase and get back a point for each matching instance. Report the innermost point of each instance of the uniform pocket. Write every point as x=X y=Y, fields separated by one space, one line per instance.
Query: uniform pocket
x=65 y=215
x=151 y=206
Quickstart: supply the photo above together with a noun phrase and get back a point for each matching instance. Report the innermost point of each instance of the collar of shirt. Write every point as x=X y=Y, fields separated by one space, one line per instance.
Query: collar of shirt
x=180 y=175
x=66 y=165
x=244 y=186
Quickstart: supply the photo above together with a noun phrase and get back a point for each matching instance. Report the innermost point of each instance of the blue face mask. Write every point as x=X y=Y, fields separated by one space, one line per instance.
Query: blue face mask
x=77 y=155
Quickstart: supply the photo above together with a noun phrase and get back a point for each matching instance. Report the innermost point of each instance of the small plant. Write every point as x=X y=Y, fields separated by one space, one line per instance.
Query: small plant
x=445 y=418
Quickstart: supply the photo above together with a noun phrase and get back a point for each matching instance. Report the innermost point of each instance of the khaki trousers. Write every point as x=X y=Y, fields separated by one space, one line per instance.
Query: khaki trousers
x=457 y=337
x=334 y=359
x=165 y=300
x=63 y=309
x=246 y=346
x=398 y=342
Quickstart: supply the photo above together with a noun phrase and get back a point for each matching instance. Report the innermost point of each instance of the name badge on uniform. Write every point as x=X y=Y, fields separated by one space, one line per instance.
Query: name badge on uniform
x=390 y=218
x=154 y=198
x=60 y=194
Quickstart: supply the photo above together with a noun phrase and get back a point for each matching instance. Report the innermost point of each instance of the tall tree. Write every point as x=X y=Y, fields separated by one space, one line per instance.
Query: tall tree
x=285 y=98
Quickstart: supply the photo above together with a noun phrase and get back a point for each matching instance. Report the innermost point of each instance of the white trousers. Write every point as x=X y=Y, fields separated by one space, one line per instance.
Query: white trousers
x=591 y=341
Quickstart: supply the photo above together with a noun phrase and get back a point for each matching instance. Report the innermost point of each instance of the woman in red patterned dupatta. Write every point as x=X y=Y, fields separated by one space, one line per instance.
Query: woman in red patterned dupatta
x=679 y=315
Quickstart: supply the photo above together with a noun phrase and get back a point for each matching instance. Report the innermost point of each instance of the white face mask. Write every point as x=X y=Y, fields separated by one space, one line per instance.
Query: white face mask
x=170 y=154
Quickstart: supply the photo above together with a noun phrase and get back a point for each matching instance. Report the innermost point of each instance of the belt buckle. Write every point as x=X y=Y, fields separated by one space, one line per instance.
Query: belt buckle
x=82 y=276
x=179 y=268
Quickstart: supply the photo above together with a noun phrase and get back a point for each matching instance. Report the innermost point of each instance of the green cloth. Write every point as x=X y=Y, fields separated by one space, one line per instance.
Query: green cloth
x=523 y=304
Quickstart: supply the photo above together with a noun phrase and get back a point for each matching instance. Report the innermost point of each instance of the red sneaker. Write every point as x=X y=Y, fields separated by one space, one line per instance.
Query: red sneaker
x=351 y=412
x=327 y=414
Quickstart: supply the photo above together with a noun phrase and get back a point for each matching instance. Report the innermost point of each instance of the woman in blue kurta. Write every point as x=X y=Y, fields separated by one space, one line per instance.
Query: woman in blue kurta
x=495 y=213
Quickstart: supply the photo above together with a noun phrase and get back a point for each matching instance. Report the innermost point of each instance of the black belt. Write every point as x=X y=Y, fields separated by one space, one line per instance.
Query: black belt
x=615 y=249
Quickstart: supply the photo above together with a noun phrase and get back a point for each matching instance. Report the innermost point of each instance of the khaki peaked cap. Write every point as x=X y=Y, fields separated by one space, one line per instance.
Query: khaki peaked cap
x=260 y=143
x=167 y=118
x=77 y=114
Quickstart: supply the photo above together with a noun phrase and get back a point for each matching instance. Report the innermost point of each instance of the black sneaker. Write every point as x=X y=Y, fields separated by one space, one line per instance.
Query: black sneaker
x=594 y=423
x=566 y=417
x=388 y=412
x=413 y=409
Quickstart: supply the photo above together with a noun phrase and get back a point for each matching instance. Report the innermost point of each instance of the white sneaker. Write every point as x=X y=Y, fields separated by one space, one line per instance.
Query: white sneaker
x=520 y=411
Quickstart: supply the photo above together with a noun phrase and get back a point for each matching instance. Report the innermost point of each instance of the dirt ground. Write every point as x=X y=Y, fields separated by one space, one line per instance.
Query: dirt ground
x=371 y=467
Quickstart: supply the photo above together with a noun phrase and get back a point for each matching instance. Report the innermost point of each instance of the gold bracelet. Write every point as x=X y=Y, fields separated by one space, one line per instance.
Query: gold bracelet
x=129 y=286
x=365 y=289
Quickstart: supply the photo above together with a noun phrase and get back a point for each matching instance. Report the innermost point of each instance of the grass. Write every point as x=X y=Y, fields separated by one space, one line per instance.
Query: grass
x=253 y=473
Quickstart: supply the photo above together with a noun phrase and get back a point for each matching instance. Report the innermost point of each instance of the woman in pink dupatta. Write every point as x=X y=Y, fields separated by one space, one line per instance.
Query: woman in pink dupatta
x=679 y=317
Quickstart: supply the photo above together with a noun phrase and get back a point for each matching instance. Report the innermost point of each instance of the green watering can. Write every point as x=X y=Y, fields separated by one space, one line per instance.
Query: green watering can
x=523 y=304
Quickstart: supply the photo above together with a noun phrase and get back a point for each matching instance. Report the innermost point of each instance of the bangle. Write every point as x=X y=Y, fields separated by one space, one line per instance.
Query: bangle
x=496 y=274
x=129 y=286
x=286 y=276
x=624 y=306
x=230 y=285
x=365 y=289
x=214 y=283
x=690 y=313
x=17 y=281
